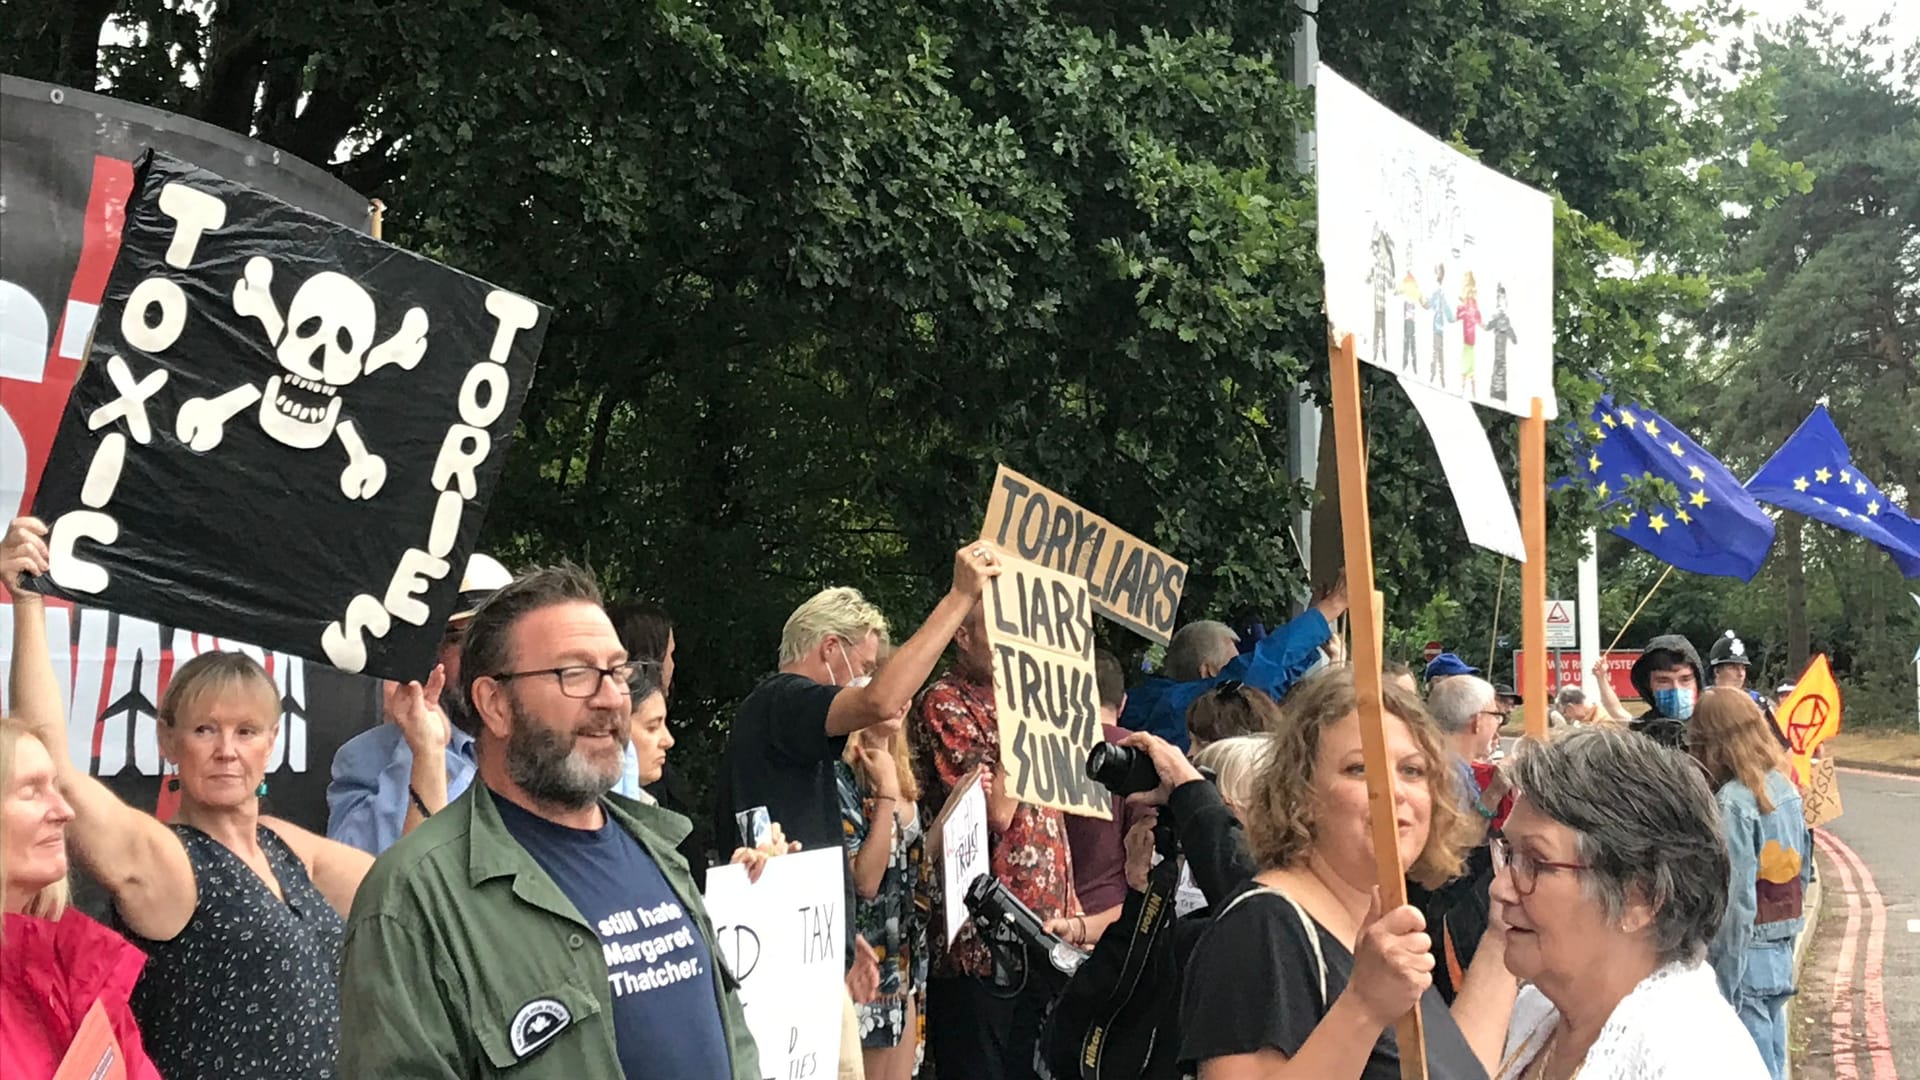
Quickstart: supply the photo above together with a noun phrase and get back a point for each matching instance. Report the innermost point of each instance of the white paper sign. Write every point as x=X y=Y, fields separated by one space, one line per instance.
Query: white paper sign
x=1440 y=268
x=1479 y=490
x=784 y=938
x=1563 y=624
x=963 y=855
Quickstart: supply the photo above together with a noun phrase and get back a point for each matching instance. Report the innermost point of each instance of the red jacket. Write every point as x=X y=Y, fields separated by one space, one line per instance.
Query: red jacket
x=51 y=972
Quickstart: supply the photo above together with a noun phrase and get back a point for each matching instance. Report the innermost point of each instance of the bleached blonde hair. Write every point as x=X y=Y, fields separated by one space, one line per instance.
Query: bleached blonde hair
x=837 y=612
x=49 y=902
x=1236 y=761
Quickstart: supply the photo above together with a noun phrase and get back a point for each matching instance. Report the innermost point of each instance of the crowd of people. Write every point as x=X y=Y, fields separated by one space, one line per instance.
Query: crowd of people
x=510 y=880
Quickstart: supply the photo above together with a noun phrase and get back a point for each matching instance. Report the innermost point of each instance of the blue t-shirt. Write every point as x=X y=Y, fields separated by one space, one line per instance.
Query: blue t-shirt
x=666 y=1009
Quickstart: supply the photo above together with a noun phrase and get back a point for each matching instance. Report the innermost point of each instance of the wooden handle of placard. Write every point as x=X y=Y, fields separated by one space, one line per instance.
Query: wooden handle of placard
x=1533 y=575
x=1368 y=629
x=376 y=218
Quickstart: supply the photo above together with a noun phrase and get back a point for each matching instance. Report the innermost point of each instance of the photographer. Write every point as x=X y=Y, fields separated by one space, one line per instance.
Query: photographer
x=1209 y=835
x=1117 y=1017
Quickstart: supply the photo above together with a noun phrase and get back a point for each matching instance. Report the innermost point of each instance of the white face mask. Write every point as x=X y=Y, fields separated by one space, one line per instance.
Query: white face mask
x=852 y=679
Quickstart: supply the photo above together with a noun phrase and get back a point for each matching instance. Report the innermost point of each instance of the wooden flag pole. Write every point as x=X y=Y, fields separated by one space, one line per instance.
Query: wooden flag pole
x=1533 y=576
x=1357 y=540
x=1499 y=594
x=1643 y=603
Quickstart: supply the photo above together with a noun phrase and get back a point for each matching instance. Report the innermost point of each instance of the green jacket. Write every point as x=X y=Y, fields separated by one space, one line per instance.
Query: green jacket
x=457 y=930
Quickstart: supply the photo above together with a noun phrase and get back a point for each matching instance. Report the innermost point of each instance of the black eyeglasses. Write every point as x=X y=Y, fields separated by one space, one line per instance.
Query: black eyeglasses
x=1526 y=869
x=583 y=680
x=1230 y=689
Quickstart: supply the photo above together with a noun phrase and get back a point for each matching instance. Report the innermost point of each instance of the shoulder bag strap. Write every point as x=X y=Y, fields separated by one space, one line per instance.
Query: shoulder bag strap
x=1150 y=918
x=1306 y=923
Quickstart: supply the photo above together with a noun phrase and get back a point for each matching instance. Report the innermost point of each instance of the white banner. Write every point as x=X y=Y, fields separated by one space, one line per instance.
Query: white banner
x=963 y=854
x=1479 y=489
x=785 y=937
x=1440 y=268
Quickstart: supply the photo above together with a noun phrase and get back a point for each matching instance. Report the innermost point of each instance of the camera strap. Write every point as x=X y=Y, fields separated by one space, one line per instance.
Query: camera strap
x=1150 y=918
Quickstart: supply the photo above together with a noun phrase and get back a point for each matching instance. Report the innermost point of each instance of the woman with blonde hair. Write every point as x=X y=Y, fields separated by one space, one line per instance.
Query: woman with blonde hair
x=240 y=914
x=1236 y=763
x=1302 y=974
x=1768 y=842
x=55 y=963
x=879 y=810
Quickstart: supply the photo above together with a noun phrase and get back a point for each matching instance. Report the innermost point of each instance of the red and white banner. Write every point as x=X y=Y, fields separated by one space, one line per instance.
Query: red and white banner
x=1563 y=669
x=66 y=170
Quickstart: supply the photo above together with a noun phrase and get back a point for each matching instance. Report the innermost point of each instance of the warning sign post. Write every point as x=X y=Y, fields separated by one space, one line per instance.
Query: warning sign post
x=1563 y=624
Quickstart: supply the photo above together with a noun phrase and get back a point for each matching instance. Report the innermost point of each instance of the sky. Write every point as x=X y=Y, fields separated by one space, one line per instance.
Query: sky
x=1904 y=30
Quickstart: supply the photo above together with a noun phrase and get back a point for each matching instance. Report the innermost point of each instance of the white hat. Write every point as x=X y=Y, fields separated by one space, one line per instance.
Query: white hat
x=484 y=575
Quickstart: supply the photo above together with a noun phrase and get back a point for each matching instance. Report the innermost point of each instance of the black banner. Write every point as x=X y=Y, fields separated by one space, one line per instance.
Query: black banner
x=66 y=168
x=287 y=432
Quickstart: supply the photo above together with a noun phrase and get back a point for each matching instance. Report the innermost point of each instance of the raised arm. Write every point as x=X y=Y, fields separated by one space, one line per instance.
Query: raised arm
x=335 y=868
x=1609 y=701
x=892 y=689
x=134 y=857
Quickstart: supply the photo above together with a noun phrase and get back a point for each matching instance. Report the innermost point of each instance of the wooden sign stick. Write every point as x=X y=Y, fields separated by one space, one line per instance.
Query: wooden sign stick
x=1350 y=444
x=1533 y=575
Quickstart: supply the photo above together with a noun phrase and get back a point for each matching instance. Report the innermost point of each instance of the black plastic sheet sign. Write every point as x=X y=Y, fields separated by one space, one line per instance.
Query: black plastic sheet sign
x=287 y=432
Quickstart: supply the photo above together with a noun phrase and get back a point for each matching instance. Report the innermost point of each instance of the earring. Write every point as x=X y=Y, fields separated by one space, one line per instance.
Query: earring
x=173 y=783
x=262 y=793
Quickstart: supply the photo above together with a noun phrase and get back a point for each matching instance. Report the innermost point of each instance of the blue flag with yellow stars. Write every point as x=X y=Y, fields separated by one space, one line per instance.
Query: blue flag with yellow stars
x=1813 y=474
x=1712 y=526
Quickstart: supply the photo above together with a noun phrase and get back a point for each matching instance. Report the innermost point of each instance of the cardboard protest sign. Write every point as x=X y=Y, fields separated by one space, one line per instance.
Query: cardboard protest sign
x=784 y=938
x=1809 y=714
x=959 y=837
x=1431 y=255
x=287 y=432
x=1040 y=629
x=1820 y=800
x=1130 y=581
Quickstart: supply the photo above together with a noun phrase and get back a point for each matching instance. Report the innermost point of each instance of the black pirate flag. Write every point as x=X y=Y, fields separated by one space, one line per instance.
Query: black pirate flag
x=287 y=432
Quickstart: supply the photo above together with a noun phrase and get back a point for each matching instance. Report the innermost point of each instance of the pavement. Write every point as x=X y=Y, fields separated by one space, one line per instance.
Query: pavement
x=1858 y=1013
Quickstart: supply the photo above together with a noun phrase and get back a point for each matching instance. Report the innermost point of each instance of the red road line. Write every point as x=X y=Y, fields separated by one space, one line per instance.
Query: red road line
x=1879 y=1031
x=1841 y=1025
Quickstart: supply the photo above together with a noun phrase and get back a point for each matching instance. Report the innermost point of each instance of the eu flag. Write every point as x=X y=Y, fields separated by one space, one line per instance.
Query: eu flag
x=1813 y=474
x=1712 y=527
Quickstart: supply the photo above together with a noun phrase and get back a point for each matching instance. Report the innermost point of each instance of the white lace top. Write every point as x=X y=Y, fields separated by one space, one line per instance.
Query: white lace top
x=1673 y=1026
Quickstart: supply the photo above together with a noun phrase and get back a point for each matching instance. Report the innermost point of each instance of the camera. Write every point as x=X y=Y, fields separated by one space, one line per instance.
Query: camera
x=1122 y=770
x=1002 y=920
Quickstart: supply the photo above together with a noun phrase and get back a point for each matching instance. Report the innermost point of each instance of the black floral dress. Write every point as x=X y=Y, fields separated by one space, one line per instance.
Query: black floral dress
x=894 y=922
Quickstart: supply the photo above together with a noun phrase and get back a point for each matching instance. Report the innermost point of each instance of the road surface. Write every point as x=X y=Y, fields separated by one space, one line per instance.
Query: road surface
x=1858 y=1013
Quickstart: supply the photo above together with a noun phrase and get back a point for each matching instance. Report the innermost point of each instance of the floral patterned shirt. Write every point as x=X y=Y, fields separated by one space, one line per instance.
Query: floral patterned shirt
x=954 y=729
x=894 y=922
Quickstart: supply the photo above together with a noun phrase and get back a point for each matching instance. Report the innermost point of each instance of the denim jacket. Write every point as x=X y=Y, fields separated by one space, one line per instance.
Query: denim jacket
x=1772 y=856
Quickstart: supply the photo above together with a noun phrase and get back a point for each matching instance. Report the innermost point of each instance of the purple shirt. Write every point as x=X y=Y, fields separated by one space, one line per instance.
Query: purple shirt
x=1100 y=848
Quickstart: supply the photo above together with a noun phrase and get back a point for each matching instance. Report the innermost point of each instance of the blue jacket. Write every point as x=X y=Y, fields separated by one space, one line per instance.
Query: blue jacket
x=1772 y=864
x=1159 y=705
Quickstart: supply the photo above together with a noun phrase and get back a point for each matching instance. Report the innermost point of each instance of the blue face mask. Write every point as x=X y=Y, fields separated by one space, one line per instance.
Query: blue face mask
x=1675 y=702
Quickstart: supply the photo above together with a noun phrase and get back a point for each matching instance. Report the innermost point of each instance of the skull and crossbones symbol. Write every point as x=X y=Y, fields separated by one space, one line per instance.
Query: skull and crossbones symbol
x=325 y=341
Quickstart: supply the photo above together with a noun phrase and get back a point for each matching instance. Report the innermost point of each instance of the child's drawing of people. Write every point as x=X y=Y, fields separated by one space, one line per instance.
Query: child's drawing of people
x=1438 y=302
x=1469 y=315
x=1409 y=302
x=1501 y=327
x=1380 y=276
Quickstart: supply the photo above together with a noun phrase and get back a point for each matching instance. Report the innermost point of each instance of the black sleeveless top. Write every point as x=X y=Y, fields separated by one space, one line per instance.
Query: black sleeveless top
x=250 y=990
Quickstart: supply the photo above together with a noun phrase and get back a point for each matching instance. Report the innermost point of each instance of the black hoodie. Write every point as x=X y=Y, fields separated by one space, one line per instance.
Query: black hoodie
x=1660 y=727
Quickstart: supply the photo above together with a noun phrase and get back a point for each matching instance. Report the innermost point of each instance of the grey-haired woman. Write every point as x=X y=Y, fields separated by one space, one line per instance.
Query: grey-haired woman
x=1610 y=903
